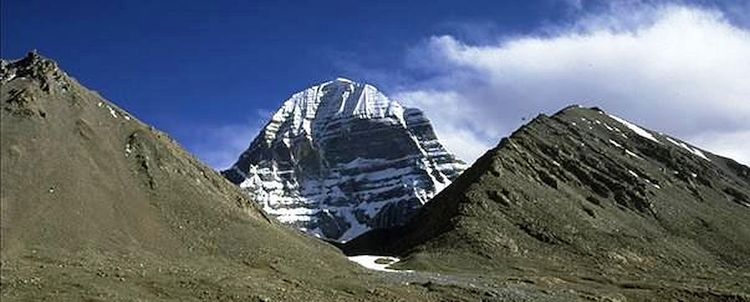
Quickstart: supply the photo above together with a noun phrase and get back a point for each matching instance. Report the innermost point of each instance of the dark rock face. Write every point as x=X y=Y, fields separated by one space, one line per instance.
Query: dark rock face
x=340 y=158
x=584 y=192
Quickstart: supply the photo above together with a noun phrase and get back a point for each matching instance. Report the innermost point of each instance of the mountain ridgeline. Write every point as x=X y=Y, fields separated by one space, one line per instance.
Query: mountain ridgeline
x=597 y=203
x=581 y=205
x=340 y=158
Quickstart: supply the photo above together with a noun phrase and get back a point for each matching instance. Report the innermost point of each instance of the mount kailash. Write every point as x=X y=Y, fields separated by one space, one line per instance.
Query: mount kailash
x=341 y=158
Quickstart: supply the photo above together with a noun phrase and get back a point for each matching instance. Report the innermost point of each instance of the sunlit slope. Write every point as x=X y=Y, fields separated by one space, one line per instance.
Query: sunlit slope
x=98 y=206
x=593 y=198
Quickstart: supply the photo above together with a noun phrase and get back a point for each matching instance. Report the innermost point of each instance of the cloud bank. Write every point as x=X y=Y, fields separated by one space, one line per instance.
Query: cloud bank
x=682 y=70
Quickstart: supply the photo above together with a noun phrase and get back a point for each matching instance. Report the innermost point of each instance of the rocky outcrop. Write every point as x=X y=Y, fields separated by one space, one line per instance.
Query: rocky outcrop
x=340 y=158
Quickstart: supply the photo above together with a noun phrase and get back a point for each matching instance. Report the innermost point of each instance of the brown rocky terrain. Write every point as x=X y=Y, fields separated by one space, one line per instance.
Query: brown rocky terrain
x=588 y=202
x=98 y=206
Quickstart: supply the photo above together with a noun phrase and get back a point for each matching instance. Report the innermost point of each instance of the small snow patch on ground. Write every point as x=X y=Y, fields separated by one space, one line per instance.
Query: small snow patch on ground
x=112 y=112
x=378 y=263
x=695 y=151
x=646 y=179
x=628 y=152
x=615 y=143
x=638 y=130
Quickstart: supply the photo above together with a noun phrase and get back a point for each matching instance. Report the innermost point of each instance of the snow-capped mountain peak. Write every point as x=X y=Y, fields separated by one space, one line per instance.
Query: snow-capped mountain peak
x=340 y=158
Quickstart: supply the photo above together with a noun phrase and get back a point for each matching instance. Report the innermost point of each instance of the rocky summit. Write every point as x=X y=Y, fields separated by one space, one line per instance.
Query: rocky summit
x=589 y=202
x=340 y=158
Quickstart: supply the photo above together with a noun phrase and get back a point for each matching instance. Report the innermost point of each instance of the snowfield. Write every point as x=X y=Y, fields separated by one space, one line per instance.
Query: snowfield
x=369 y=262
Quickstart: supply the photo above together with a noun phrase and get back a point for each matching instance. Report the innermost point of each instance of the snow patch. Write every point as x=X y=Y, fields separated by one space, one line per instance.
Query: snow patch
x=615 y=143
x=112 y=111
x=10 y=76
x=638 y=130
x=369 y=262
x=646 y=179
x=685 y=146
x=628 y=152
x=288 y=215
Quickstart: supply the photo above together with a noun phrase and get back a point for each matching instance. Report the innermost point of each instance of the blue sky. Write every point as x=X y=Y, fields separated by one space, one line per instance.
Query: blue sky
x=210 y=72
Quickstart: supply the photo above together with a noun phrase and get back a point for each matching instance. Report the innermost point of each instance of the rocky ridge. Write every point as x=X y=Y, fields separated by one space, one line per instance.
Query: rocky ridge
x=591 y=200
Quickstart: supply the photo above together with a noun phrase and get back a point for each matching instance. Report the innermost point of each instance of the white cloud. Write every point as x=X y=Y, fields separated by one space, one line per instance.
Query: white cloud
x=731 y=144
x=460 y=135
x=677 y=69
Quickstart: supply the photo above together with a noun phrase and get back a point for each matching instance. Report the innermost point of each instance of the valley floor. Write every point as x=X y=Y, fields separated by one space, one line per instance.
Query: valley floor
x=535 y=284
